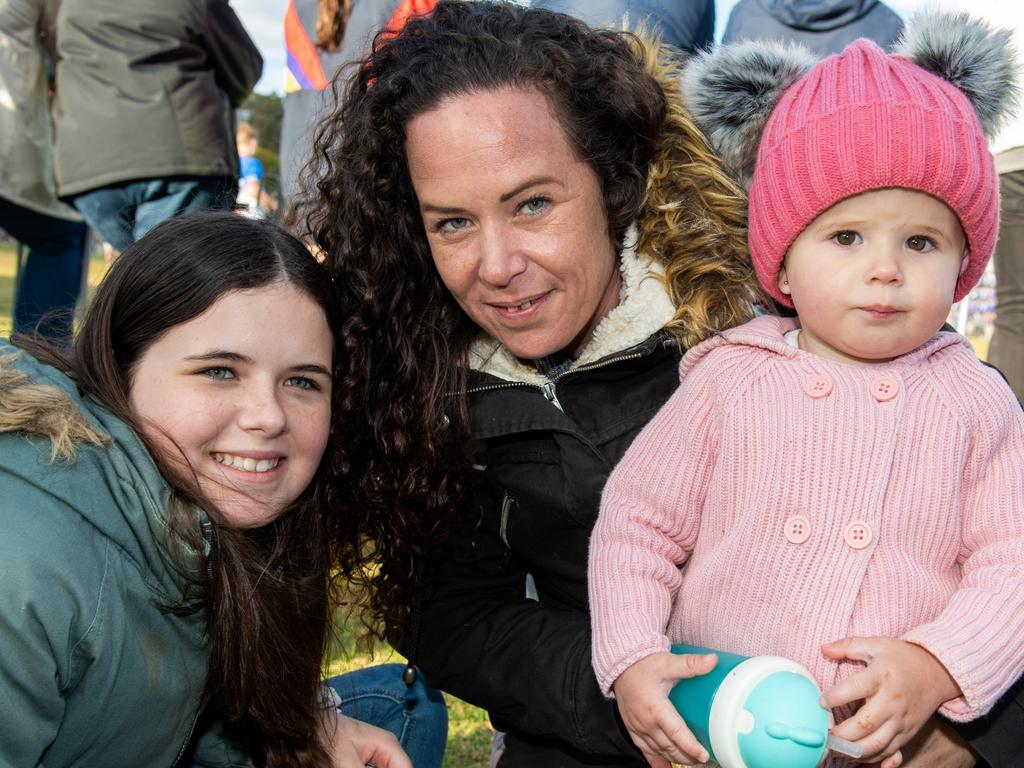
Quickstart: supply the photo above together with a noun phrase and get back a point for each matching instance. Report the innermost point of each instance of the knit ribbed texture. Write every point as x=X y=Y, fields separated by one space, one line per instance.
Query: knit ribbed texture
x=935 y=473
x=864 y=120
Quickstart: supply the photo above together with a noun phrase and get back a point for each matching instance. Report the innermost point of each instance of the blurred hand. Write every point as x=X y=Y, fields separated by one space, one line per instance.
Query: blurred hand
x=653 y=723
x=354 y=744
x=902 y=685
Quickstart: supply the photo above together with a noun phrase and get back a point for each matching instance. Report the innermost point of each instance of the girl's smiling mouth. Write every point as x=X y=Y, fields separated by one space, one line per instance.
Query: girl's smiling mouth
x=247 y=463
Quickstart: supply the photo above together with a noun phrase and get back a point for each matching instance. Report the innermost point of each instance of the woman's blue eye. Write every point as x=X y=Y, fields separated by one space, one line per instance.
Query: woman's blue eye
x=535 y=205
x=218 y=373
x=920 y=243
x=451 y=225
x=301 y=382
x=846 y=237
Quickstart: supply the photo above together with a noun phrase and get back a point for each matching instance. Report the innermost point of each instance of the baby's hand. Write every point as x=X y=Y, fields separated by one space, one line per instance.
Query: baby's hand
x=902 y=686
x=653 y=723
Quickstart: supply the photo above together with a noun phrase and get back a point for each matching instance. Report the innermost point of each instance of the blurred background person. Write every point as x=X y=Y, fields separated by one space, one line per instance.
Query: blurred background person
x=685 y=24
x=1006 y=351
x=253 y=200
x=50 y=279
x=823 y=26
x=320 y=37
x=144 y=109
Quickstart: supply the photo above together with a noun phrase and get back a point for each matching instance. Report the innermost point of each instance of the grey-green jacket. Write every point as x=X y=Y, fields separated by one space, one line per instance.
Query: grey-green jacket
x=26 y=133
x=92 y=671
x=145 y=89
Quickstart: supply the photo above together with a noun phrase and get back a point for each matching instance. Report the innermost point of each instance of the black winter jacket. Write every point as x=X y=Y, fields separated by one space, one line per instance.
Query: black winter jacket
x=544 y=456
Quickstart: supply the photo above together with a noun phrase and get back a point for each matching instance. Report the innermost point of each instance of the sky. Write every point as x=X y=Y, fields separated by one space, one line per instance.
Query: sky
x=264 y=21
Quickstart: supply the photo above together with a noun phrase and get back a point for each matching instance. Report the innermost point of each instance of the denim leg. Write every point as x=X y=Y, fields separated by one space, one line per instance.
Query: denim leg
x=122 y=213
x=417 y=716
x=163 y=199
x=111 y=212
x=51 y=279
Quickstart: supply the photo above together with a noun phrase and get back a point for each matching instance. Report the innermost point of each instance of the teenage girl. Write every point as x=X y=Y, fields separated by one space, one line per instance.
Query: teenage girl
x=166 y=537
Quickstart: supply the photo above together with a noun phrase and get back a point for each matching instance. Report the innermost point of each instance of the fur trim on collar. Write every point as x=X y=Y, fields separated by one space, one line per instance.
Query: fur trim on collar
x=43 y=410
x=644 y=309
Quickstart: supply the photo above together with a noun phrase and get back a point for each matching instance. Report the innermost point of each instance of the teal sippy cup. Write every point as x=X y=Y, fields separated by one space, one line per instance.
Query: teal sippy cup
x=756 y=712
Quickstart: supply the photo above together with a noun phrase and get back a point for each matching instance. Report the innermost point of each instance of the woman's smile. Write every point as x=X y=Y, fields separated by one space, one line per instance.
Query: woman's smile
x=519 y=310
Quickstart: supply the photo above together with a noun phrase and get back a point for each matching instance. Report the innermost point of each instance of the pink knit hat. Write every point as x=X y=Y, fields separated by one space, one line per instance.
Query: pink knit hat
x=865 y=120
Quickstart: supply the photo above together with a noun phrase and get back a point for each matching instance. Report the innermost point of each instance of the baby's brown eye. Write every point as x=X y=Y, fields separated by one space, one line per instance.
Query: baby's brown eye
x=918 y=243
x=846 y=237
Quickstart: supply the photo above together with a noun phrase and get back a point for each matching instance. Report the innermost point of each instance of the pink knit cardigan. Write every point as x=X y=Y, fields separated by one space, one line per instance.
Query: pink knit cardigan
x=811 y=500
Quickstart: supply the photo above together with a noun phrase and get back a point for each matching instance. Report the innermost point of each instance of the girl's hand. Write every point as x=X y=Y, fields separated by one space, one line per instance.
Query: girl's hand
x=653 y=723
x=902 y=686
x=355 y=744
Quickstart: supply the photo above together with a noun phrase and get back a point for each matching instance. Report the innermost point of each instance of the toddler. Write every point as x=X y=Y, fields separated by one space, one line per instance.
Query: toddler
x=852 y=477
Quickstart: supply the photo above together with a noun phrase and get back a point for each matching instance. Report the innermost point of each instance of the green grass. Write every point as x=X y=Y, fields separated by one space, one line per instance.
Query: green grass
x=469 y=734
x=7 y=258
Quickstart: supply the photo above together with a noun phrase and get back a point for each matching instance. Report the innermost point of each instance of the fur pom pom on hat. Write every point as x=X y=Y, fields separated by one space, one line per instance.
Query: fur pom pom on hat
x=858 y=121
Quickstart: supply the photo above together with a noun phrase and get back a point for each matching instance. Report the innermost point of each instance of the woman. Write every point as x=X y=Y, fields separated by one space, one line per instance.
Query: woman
x=507 y=333
x=167 y=534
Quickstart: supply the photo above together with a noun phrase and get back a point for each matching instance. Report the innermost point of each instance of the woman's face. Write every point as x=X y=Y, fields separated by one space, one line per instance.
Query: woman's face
x=515 y=221
x=242 y=393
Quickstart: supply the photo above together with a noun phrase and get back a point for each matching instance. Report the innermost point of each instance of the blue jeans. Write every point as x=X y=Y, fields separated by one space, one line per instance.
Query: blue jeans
x=417 y=716
x=51 y=278
x=122 y=213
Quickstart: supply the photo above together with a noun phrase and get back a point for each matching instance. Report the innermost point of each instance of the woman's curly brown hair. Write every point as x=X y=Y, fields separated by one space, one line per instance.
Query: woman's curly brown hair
x=401 y=406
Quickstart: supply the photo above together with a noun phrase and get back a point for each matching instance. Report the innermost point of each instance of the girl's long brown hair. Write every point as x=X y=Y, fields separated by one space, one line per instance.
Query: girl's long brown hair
x=404 y=341
x=266 y=591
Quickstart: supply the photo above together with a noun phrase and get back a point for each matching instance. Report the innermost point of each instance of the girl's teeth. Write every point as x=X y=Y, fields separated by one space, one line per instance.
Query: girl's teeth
x=246 y=464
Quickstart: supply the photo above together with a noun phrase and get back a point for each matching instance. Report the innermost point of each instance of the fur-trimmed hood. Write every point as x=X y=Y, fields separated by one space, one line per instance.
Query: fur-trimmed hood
x=87 y=582
x=644 y=309
x=43 y=410
x=59 y=445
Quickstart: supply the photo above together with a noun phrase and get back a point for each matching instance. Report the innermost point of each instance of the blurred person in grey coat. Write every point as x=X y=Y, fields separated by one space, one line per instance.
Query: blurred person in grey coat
x=144 y=111
x=323 y=37
x=51 y=277
x=688 y=25
x=822 y=26
x=1006 y=351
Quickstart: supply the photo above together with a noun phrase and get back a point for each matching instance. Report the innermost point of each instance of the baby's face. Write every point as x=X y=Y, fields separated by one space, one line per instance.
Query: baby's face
x=873 y=277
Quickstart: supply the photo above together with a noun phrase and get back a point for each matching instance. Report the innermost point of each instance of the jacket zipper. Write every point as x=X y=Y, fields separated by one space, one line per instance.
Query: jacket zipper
x=507 y=502
x=188 y=739
x=206 y=530
x=549 y=392
x=548 y=388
